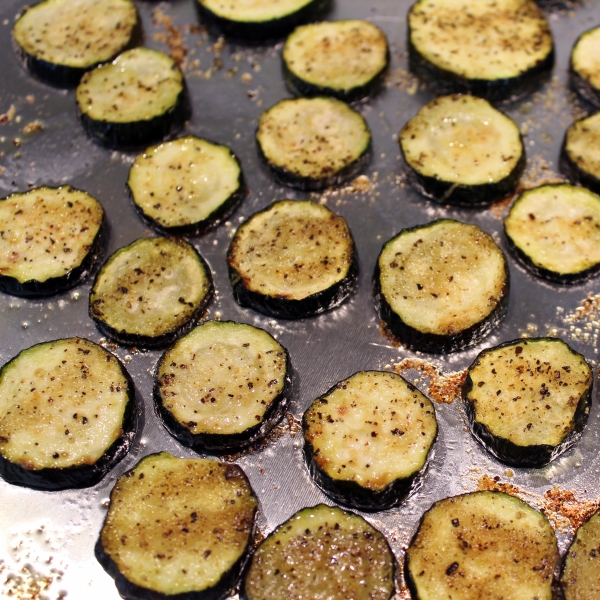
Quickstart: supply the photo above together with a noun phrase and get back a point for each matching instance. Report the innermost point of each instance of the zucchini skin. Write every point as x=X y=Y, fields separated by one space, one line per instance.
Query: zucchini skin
x=524 y=456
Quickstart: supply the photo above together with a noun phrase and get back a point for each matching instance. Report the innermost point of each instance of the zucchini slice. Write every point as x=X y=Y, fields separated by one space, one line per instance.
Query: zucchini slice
x=136 y=100
x=584 y=66
x=177 y=528
x=554 y=230
x=482 y=545
x=151 y=292
x=222 y=386
x=59 y=40
x=580 y=153
x=186 y=186
x=344 y=59
x=495 y=49
x=368 y=438
x=313 y=143
x=460 y=150
x=528 y=400
x=293 y=259
x=67 y=415
x=50 y=239
x=322 y=553
x=442 y=286
x=580 y=577
x=259 y=20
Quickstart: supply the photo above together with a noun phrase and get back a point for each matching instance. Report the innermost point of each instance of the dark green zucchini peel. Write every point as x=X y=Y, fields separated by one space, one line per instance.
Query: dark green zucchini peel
x=177 y=529
x=584 y=71
x=223 y=386
x=68 y=415
x=580 y=152
x=441 y=287
x=294 y=259
x=482 y=545
x=367 y=440
x=151 y=292
x=528 y=400
x=322 y=553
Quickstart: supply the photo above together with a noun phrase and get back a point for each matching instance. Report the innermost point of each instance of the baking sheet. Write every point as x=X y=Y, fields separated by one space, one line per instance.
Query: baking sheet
x=47 y=539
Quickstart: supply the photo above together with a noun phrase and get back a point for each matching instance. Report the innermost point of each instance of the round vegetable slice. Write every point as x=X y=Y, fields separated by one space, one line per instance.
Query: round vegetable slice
x=151 y=292
x=67 y=415
x=554 y=231
x=136 y=100
x=368 y=439
x=58 y=40
x=585 y=66
x=482 y=545
x=50 y=238
x=322 y=553
x=223 y=386
x=528 y=400
x=294 y=259
x=442 y=286
x=177 y=528
x=344 y=59
x=495 y=49
x=580 y=577
x=187 y=185
x=461 y=150
x=580 y=153
x=313 y=143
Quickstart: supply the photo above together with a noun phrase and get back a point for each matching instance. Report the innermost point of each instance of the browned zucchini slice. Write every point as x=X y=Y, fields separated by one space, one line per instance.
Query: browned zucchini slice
x=585 y=72
x=580 y=153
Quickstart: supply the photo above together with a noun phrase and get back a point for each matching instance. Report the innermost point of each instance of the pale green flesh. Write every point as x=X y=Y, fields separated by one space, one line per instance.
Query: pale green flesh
x=150 y=287
x=138 y=85
x=581 y=574
x=527 y=392
x=373 y=429
x=582 y=143
x=47 y=232
x=462 y=139
x=222 y=377
x=76 y=33
x=178 y=525
x=557 y=227
x=340 y=55
x=312 y=137
x=183 y=182
x=487 y=39
x=250 y=11
x=292 y=250
x=585 y=58
x=322 y=553
x=61 y=405
x=483 y=545
x=442 y=278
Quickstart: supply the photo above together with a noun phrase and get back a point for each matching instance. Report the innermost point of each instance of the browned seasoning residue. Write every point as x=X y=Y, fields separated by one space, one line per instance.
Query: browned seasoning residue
x=25 y=584
x=33 y=127
x=565 y=511
x=9 y=115
x=173 y=36
x=493 y=484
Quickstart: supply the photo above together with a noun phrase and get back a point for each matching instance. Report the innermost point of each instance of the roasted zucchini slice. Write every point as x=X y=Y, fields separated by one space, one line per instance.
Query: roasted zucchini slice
x=222 y=386
x=50 y=238
x=322 y=553
x=294 y=259
x=259 y=20
x=528 y=400
x=368 y=438
x=136 y=100
x=59 y=40
x=441 y=287
x=584 y=66
x=580 y=577
x=482 y=545
x=495 y=49
x=554 y=230
x=461 y=150
x=186 y=186
x=344 y=59
x=177 y=528
x=313 y=143
x=151 y=292
x=67 y=415
x=580 y=153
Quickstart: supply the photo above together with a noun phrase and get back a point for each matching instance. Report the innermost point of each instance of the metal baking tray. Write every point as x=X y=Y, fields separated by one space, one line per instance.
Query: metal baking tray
x=47 y=539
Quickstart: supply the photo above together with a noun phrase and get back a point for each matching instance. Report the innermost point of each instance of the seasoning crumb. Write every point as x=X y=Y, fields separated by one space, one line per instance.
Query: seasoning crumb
x=9 y=115
x=565 y=511
x=33 y=127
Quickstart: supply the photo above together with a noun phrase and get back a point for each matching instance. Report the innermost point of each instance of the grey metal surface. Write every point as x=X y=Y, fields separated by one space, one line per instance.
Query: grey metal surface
x=47 y=539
